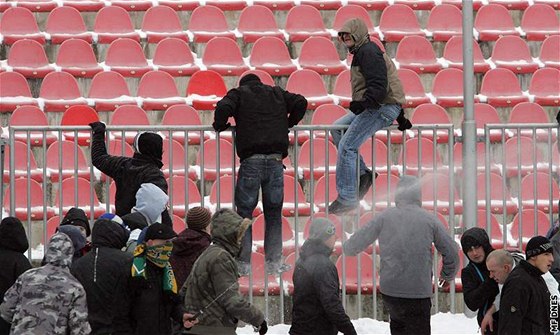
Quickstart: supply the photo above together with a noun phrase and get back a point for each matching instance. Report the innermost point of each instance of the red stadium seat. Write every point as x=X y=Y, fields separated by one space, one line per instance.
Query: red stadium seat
x=183 y=115
x=492 y=227
x=79 y=116
x=540 y=21
x=161 y=22
x=52 y=225
x=550 y=52
x=158 y=91
x=60 y=91
x=38 y=6
x=126 y=57
x=175 y=57
x=512 y=4
x=208 y=22
x=326 y=115
x=350 y=277
x=31 y=116
x=29 y=204
x=545 y=86
x=323 y=5
x=480 y=158
x=64 y=23
x=522 y=156
x=128 y=115
x=546 y=188
x=459 y=3
x=375 y=154
x=287 y=276
x=276 y=4
x=19 y=23
x=342 y=88
x=436 y=196
x=77 y=192
x=222 y=194
x=304 y=21
x=309 y=84
x=179 y=224
x=21 y=163
x=257 y=21
x=370 y=4
x=259 y=232
x=445 y=22
x=291 y=189
x=112 y=23
x=531 y=222
x=319 y=54
x=417 y=5
x=77 y=58
x=271 y=55
x=15 y=92
x=321 y=197
x=180 y=5
x=500 y=198
x=414 y=91
x=485 y=114
x=420 y=155
x=501 y=88
x=382 y=194
x=109 y=91
x=258 y=282
x=416 y=53
x=511 y=52
x=72 y=163
x=227 y=5
x=430 y=114
x=84 y=5
x=205 y=89
x=183 y=194
x=453 y=55
x=492 y=22
x=29 y=58
x=223 y=55
x=316 y=157
x=552 y=3
x=133 y=5
x=397 y=22
x=215 y=165
x=530 y=112
x=175 y=160
x=448 y=88
x=348 y=12
x=263 y=76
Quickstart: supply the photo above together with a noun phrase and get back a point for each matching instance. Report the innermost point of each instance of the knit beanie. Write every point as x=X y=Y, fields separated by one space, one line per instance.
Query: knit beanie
x=198 y=218
x=77 y=217
x=249 y=77
x=537 y=245
x=321 y=229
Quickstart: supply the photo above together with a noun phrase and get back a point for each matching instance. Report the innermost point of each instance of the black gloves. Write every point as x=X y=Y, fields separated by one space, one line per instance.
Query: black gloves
x=404 y=123
x=263 y=328
x=97 y=127
x=219 y=129
x=357 y=107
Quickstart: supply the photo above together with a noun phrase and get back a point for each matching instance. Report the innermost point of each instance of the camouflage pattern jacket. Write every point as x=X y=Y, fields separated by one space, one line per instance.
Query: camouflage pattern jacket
x=48 y=300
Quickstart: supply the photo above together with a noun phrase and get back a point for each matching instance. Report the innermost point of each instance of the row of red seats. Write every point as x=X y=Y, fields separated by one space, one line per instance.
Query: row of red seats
x=396 y=22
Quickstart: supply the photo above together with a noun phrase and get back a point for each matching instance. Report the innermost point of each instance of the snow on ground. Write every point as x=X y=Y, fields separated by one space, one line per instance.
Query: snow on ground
x=442 y=323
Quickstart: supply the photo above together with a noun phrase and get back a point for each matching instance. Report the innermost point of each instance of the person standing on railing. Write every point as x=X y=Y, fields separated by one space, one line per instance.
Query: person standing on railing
x=263 y=115
x=377 y=97
x=130 y=173
x=406 y=233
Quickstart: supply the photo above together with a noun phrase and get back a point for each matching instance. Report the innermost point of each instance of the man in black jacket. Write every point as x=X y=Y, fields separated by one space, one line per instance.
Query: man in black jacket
x=317 y=307
x=130 y=173
x=479 y=290
x=104 y=273
x=526 y=305
x=262 y=116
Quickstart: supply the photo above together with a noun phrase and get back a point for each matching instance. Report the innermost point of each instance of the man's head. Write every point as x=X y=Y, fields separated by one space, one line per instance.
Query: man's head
x=249 y=78
x=77 y=217
x=198 y=218
x=476 y=244
x=499 y=264
x=539 y=253
x=324 y=230
x=110 y=231
x=149 y=144
x=159 y=234
x=150 y=201
x=354 y=33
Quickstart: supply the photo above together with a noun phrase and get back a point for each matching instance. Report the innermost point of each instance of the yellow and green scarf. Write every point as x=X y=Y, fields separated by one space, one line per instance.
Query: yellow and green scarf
x=159 y=256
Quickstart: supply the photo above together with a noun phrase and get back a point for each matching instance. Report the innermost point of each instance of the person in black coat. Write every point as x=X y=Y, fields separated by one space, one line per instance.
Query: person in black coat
x=130 y=173
x=525 y=304
x=317 y=307
x=104 y=274
x=479 y=290
x=77 y=217
x=13 y=243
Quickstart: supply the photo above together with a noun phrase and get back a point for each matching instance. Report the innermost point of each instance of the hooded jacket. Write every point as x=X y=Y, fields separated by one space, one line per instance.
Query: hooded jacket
x=215 y=274
x=13 y=243
x=151 y=201
x=479 y=290
x=78 y=239
x=130 y=173
x=187 y=247
x=262 y=116
x=317 y=307
x=104 y=273
x=77 y=217
x=48 y=300
x=373 y=75
x=406 y=233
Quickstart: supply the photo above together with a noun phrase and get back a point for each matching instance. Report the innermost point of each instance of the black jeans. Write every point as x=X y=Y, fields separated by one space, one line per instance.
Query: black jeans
x=408 y=316
x=268 y=174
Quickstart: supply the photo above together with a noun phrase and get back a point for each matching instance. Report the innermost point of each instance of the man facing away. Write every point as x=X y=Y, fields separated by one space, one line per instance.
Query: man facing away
x=262 y=116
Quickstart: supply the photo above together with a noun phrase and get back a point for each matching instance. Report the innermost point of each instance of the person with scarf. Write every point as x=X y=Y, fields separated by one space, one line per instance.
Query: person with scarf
x=153 y=289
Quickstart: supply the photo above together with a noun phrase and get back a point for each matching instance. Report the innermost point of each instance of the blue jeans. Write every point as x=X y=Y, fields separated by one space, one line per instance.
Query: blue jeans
x=361 y=127
x=268 y=174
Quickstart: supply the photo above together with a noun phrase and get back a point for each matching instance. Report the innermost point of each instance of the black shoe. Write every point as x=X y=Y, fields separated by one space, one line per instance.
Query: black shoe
x=336 y=207
x=366 y=180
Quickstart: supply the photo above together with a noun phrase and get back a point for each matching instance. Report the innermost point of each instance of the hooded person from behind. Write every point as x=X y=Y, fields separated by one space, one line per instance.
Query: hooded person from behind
x=48 y=299
x=77 y=217
x=79 y=241
x=13 y=244
x=104 y=273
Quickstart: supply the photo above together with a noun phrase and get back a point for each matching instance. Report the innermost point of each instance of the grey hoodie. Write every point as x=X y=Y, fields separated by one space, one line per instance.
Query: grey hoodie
x=406 y=233
x=150 y=201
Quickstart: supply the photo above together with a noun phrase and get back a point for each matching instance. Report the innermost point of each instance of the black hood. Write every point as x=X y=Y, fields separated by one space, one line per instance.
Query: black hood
x=249 y=79
x=409 y=191
x=77 y=217
x=135 y=220
x=12 y=235
x=107 y=233
x=475 y=237
x=148 y=144
x=314 y=246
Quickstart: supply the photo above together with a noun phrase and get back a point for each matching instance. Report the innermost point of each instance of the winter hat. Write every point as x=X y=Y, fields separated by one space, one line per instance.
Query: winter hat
x=149 y=144
x=111 y=217
x=249 y=77
x=150 y=201
x=159 y=231
x=198 y=218
x=537 y=245
x=77 y=217
x=135 y=221
x=12 y=235
x=78 y=239
x=321 y=229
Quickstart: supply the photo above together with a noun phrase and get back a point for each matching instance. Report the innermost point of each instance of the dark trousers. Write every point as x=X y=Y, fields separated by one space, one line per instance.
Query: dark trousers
x=408 y=316
x=266 y=174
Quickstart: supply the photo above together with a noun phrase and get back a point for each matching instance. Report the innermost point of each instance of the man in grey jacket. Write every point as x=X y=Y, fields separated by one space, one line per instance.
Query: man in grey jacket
x=406 y=233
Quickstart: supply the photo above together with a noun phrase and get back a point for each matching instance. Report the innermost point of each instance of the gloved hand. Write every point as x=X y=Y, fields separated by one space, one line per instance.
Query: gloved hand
x=219 y=129
x=404 y=123
x=263 y=328
x=357 y=107
x=97 y=127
